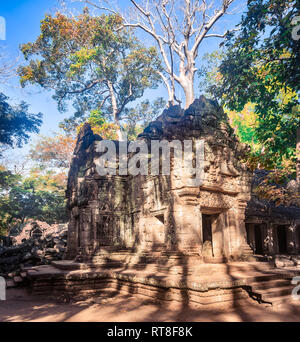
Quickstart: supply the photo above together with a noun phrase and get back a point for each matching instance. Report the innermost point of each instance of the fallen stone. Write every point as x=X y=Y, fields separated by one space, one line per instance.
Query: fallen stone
x=18 y=279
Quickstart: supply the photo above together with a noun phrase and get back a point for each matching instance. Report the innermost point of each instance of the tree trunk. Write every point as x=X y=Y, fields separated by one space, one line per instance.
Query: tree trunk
x=114 y=105
x=113 y=101
x=298 y=156
x=188 y=88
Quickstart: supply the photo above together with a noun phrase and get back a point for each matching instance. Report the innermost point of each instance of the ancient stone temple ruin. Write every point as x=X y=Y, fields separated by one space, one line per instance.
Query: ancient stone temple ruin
x=272 y=230
x=142 y=214
x=164 y=236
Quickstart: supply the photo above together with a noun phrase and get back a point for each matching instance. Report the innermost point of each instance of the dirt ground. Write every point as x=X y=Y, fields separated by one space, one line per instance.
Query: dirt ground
x=21 y=307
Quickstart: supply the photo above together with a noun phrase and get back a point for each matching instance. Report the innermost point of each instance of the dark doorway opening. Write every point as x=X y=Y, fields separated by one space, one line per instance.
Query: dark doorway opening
x=207 y=248
x=258 y=239
x=282 y=240
x=248 y=234
x=206 y=228
x=298 y=234
x=250 y=240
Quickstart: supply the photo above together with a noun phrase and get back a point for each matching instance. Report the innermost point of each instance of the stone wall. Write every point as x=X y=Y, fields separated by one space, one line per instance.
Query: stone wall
x=164 y=214
x=271 y=229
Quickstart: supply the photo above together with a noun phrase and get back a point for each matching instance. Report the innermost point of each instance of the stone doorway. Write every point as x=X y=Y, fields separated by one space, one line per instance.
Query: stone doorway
x=298 y=236
x=258 y=239
x=207 y=227
x=255 y=237
x=282 y=239
x=207 y=222
x=103 y=236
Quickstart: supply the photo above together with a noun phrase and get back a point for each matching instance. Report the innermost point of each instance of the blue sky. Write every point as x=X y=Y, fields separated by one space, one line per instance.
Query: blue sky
x=22 y=25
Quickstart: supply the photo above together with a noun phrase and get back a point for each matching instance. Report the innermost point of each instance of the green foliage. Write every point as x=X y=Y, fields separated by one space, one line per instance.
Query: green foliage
x=38 y=196
x=16 y=124
x=134 y=120
x=101 y=126
x=262 y=67
x=245 y=125
x=137 y=118
x=96 y=118
x=91 y=62
x=245 y=122
x=208 y=71
x=7 y=179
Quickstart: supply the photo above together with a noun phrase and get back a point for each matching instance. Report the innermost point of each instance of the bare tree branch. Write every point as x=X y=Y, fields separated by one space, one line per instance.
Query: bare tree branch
x=215 y=35
x=178 y=27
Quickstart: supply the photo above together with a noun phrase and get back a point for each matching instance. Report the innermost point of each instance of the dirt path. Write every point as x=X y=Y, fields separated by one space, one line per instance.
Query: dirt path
x=20 y=306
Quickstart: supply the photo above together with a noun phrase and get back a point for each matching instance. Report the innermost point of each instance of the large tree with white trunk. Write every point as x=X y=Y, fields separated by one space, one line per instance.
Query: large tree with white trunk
x=178 y=27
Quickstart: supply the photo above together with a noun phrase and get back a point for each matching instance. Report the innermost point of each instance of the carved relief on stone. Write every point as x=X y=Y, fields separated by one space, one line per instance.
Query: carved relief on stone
x=145 y=212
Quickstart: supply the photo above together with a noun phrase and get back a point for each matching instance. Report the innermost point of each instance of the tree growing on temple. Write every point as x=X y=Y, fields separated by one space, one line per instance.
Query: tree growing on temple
x=179 y=28
x=87 y=60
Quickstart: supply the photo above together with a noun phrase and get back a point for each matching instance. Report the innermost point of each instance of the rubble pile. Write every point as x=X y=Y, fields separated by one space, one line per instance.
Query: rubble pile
x=34 y=251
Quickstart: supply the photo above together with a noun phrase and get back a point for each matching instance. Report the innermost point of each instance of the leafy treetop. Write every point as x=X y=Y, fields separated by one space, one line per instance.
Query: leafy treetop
x=16 y=124
x=261 y=66
x=90 y=61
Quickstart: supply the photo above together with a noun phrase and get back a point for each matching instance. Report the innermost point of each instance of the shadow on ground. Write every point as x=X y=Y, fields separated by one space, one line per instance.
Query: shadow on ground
x=20 y=306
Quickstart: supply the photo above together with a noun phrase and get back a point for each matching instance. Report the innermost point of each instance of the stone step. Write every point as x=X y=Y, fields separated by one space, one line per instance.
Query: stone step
x=276 y=292
x=265 y=285
x=283 y=300
x=10 y=283
x=194 y=297
x=18 y=280
x=246 y=247
x=230 y=296
x=260 y=283
x=244 y=244
x=214 y=260
x=23 y=275
x=69 y=265
x=247 y=251
x=264 y=279
x=271 y=289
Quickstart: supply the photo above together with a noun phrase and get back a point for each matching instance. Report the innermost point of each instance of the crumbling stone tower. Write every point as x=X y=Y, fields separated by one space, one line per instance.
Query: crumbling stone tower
x=159 y=216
